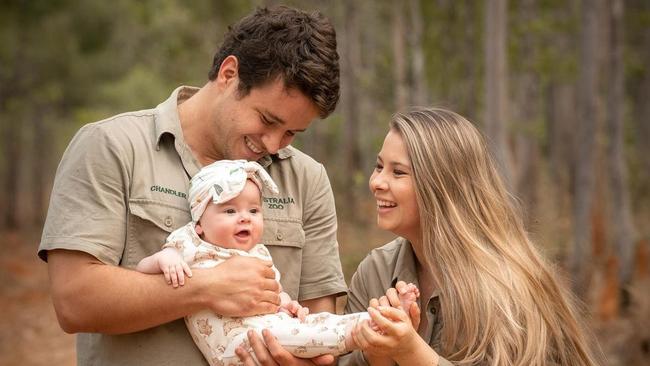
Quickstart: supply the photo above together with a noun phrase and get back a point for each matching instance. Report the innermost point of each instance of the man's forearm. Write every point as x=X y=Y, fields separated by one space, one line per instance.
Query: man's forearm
x=321 y=304
x=90 y=296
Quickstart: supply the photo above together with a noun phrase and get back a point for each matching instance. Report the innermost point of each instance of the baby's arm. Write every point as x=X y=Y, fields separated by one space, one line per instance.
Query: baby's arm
x=292 y=307
x=169 y=262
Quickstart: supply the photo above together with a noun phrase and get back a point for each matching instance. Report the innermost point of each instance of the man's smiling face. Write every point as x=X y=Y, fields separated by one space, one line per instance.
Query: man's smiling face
x=259 y=123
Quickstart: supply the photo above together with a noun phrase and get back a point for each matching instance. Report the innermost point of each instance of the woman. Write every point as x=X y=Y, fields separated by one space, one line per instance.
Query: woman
x=490 y=297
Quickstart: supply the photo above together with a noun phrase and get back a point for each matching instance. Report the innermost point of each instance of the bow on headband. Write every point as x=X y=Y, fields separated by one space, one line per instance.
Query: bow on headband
x=224 y=180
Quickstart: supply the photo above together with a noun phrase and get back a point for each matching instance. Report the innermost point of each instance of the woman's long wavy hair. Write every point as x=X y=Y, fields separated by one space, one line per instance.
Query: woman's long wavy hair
x=501 y=301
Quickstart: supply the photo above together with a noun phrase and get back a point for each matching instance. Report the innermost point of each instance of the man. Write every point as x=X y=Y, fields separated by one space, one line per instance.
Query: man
x=121 y=186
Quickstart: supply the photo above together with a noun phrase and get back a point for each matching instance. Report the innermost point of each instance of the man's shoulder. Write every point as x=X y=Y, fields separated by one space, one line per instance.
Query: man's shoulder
x=124 y=129
x=125 y=122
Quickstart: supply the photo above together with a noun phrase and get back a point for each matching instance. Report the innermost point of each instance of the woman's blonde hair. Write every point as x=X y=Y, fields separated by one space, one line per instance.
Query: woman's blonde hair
x=501 y=301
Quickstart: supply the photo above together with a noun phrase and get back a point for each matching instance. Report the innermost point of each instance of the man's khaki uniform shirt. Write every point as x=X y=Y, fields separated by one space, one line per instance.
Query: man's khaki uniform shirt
x=121 y=188
x=381 y=270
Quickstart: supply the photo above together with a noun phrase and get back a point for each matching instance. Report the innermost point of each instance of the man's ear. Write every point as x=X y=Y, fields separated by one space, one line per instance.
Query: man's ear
x=228 y=71
x=198 y=229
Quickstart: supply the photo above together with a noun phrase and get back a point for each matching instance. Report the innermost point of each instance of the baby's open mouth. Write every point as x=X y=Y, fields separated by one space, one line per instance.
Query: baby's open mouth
x=242 y=233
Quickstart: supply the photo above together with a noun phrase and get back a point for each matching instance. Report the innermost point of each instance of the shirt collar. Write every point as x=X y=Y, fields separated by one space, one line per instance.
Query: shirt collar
x=167 y=119
x=405 y=267
x=168 y=122
x=282 y=154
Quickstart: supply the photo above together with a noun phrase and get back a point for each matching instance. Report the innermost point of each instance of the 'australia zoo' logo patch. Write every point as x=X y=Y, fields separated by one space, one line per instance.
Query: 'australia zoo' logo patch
x=278 y=203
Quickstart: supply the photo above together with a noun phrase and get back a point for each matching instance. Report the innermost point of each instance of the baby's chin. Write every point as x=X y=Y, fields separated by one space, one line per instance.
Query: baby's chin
x=239 y=246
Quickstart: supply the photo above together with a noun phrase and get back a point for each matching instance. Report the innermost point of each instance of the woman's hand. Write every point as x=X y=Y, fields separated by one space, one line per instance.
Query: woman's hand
x=390 y=335
x=394 y=298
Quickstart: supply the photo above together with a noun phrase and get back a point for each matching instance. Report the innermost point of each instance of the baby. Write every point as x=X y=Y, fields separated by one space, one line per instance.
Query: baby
x=225 y=200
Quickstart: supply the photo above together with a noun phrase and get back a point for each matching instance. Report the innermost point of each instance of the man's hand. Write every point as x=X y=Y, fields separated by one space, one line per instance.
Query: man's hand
x=273 y=354
x=240 y=286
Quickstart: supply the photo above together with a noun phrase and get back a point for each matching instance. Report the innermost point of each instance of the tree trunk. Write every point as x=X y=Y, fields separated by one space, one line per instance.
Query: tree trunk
x=350 y=85
x=526 y=141
x=419 y=90
x=560 y=112
x=585 y=148
x=12 y=173
x=496 y=84
x=621 y=223
x=40 y=163
x=399 y=57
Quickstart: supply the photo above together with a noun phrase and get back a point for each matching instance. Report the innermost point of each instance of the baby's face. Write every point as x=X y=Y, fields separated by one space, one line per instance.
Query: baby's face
x=236 y=224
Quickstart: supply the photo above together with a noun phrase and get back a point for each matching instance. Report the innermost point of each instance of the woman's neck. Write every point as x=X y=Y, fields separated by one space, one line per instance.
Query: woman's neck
x=424 y=273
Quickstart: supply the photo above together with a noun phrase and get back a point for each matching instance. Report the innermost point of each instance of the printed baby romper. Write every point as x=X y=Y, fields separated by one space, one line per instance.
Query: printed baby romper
x=218 y=336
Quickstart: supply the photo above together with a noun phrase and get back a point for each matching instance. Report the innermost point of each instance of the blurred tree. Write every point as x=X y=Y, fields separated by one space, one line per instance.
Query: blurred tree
x=620 y=218
x=419 y=94
x=525 y=106
x=496 y=85
x=400 y=56
x=351 y=59
x=581 y=254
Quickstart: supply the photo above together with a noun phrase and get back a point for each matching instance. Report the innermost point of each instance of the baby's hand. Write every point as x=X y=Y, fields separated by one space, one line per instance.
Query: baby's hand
x=292 y=307
x=173 y=266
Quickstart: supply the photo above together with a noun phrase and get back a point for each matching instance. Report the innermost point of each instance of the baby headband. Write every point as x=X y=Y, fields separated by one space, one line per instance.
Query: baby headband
x=224 y=180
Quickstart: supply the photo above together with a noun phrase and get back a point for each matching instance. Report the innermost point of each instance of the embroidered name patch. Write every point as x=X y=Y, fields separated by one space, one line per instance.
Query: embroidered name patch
x=168 y=191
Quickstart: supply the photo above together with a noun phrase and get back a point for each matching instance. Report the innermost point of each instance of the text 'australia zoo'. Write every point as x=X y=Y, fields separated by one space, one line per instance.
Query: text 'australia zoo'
x=278 y=203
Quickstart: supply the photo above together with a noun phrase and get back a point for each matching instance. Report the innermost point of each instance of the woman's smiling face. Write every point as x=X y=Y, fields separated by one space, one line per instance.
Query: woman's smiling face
x=393 y=187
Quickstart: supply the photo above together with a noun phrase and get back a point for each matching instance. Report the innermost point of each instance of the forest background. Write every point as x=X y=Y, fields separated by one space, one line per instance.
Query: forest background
x=560 y=88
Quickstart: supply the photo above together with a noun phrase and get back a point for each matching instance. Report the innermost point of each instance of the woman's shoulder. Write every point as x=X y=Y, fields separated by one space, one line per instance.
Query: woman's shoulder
x=385 y=256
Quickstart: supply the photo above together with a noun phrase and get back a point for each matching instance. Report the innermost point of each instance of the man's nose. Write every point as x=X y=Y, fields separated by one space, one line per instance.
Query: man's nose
x=272 y=142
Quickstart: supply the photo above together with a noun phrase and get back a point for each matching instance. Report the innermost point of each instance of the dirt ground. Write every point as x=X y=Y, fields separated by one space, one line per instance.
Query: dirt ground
x=30 y=334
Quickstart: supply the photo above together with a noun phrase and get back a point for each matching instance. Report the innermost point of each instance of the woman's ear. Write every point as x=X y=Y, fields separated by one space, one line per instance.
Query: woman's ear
x=198 y=229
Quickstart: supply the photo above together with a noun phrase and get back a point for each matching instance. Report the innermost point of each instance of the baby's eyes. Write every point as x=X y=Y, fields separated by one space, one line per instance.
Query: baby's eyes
x=230 y=211
x=254 y=210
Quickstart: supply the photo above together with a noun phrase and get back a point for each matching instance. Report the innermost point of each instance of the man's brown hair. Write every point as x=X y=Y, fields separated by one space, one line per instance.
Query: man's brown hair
x=297 y=46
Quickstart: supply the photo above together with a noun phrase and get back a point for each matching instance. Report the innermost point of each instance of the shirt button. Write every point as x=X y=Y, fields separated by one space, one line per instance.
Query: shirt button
x=279 y=235
x=168 y=221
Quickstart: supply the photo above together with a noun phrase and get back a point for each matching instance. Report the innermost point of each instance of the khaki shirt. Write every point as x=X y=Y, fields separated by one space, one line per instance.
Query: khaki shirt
x=381 y=270
x=121 y=188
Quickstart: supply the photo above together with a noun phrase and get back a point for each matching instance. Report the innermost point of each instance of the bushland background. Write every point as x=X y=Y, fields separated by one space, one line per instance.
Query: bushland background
x=561 y=89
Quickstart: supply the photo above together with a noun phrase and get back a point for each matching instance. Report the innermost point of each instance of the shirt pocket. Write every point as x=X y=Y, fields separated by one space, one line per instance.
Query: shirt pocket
x=285 y=239
x=149 y=224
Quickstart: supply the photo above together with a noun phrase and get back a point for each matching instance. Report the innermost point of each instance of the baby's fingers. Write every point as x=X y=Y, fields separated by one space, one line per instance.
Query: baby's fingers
x=173 y=275
x=302 y=313
x=180 y=273
x=167 y=275
x=187 y=269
